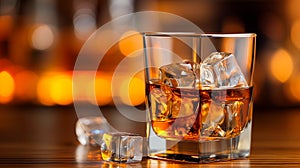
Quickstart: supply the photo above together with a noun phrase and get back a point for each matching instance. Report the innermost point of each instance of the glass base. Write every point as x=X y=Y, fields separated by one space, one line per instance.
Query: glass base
x=202 y=151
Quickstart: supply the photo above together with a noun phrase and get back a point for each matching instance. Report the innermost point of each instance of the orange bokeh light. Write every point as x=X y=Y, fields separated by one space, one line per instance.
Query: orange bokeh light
x=292 y=9
x=281 y=65
x=61 y=89
x=95 y=89
x=55 y=88
x=7 y=87
x=132 y=91
x=295 y=33
x=130 y=42
x=103 y=90
x=292 y=89
x=43 y=92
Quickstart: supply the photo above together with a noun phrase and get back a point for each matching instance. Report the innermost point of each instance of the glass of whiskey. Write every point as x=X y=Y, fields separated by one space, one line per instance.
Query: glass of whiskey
x=199 y=95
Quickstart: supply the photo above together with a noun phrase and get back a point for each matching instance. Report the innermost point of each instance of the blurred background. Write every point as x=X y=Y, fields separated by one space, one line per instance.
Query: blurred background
x=40 y=41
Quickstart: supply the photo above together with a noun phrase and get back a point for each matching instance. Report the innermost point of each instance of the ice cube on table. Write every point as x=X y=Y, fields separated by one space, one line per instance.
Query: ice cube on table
x=89 y=130
x=122 y=147
x=179 y=74
x=226 y=70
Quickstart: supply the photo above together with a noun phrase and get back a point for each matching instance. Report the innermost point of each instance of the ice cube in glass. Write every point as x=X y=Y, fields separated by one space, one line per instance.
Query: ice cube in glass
x=226 y=70
x=181 y=74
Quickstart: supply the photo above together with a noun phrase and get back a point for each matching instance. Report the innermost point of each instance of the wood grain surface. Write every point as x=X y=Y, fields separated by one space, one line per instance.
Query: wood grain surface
x=44 y=137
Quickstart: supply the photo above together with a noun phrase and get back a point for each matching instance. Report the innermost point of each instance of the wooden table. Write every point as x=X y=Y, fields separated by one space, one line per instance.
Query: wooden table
x=44 y=137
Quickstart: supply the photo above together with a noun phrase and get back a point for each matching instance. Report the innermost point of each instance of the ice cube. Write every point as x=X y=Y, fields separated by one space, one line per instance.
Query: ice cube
x=159 y=104
x=235 y=118
x=89 y=130
x=212 y=116
x=179 y=74
x=206 y=77
x=221 y=117
x=122 y=147
x=226 y=70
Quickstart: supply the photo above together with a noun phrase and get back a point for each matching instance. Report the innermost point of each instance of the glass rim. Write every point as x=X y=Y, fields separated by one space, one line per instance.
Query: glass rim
x=192 y=34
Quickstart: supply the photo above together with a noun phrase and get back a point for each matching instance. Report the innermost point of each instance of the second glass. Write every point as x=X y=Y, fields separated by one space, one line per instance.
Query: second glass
x=199 y=91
